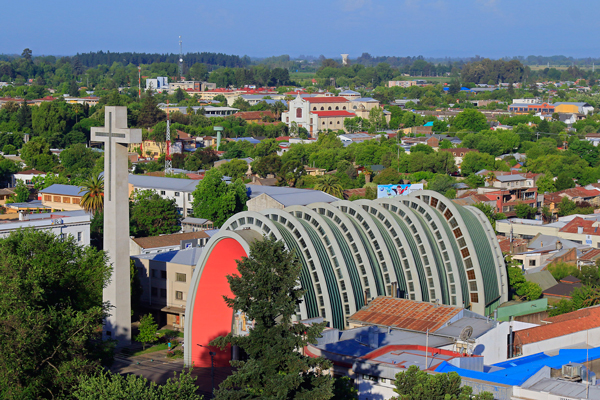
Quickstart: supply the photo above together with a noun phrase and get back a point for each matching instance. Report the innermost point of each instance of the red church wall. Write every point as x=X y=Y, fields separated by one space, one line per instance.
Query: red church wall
x=212 y=317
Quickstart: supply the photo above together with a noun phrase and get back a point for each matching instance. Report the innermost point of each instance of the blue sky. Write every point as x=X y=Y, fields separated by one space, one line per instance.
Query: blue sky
x=437 y=28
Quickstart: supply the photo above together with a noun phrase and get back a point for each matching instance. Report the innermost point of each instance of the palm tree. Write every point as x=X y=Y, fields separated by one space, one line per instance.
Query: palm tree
x=330 y=185
x=93 y=200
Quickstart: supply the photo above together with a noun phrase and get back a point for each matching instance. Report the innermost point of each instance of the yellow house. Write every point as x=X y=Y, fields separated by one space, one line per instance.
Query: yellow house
x=156 y=149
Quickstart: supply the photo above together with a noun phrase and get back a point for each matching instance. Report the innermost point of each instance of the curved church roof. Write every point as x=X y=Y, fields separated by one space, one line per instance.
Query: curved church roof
x=421 y=246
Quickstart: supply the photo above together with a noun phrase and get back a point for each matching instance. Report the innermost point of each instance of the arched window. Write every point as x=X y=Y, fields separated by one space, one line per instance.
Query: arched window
x=343 y=108
x=338 y=122
x=329 y=108
x=337 y=108
x=322 y=108
x=298 y=113
x=330 y=122
x=314 y=108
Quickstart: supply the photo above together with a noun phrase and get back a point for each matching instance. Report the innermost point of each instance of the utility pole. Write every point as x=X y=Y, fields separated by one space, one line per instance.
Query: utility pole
x=168 y=162
x=139 y=82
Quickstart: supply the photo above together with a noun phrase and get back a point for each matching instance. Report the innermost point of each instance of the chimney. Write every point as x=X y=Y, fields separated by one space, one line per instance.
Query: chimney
x=559 y=245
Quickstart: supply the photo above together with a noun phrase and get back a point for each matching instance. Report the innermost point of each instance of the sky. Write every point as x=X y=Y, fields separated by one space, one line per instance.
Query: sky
x=263 y=28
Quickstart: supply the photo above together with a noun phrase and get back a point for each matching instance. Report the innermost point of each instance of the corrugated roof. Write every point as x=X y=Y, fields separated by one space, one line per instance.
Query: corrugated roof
x=590 y=255
x=561 y=325
x=405 y=314
x=542 y=278
x=167 y=240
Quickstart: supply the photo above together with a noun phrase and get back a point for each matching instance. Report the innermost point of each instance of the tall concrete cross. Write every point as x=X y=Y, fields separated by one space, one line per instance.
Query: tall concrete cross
x=116 y=136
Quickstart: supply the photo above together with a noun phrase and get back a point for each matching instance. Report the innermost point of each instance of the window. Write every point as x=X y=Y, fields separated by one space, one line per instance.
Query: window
x=79 y=236
x=176 y=194
x=47 y=198
x=163 y=293
x=162 y=193
x=532 y=263
x=66 y=200
x=298 y=113
x=471 y=274
x=180 y=277
x=163 y=274
x=328 y=108
x=474 y=298
x=179 y=295
x=57 y=199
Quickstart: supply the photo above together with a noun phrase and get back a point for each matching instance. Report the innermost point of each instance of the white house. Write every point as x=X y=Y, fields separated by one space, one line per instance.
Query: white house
x=25 y=176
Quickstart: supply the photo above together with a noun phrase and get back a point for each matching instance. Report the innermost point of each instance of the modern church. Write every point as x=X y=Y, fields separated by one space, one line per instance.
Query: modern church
x=421 y=246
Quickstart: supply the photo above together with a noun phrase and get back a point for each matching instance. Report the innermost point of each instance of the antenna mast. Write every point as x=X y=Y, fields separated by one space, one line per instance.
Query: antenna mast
x=180 y=60
x=168 y=162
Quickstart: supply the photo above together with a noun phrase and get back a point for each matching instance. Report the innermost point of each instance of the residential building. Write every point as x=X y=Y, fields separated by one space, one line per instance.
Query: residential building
x=179 y=190
x=26 y=177
x=563 y=289
x=459 y=153
x=165 y=278
x=566 y=330
x=191 y=86
x=89 y=100
x=255 y=116
x=402 y=84
x=5 y=194
x=162 y=243
x=60 y=223
x=191 y=224
x=62 y=197
x=533 y=100
x=581 y=229
x=513 y=190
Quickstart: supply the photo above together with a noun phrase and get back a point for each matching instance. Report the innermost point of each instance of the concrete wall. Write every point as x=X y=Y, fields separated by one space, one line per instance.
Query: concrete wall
x=263 y=202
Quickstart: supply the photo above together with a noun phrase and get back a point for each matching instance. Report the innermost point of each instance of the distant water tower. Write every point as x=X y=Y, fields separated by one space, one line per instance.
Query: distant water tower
x=345 y=59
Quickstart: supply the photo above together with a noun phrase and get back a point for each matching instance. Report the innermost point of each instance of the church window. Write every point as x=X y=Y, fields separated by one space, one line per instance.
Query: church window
x=322 y=108
x=343 y=108
x=298 y=113
x=314 y=108
x=329 y=108
x=337 y=108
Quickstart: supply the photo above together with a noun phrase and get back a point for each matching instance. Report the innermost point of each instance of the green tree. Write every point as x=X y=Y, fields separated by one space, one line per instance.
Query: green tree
x=446 y=144
x=217 y=201
x=92 y=200
x=111 y=386
x=470 y=120
x=490 y=213
x=51 y=313
x=441 y=183
x=148 y=329
x=152 y=215
x=566 y=207
x=267 y=291
x=21 y=193
x=343 y=389
x=36 y=154
x=563 y=181
x=234 y=169
x=267 y=165
x=530 y=291
x=545 y=184
x=330 y=185
x=149 y=114
x=524 y=210
x=414 y=384
x=423 y=148
x=179 y=95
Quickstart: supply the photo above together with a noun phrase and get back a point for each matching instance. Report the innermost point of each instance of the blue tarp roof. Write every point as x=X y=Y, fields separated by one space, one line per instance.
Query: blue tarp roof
x=517 y=371
x=430 y=123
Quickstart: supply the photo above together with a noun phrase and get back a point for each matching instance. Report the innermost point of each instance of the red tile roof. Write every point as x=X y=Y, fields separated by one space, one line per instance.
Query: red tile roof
x=560 y=325
x=404 y=314
x=334 y=113
x=324 y=99
x=590 y=255
x=30 y=172
x=575 y=223
x=168 y=240
x=579 y=192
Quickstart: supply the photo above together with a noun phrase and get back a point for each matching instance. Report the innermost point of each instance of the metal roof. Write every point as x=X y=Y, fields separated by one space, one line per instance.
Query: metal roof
x=291 y=196
x=183 y=257
x=65 y=190
x=510 y=178
x=158 y=182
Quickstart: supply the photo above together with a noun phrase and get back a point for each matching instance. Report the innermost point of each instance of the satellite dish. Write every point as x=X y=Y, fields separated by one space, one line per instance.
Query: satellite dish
x=466 y=333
